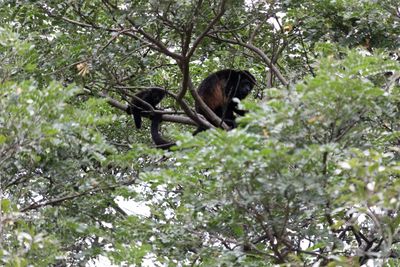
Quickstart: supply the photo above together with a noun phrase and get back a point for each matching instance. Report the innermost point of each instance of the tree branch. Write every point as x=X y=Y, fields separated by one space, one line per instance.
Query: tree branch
x=154 y=41
x=208 y=28
x=64 y=198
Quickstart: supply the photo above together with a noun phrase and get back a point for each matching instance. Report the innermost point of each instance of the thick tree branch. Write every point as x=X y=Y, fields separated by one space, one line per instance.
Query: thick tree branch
x=165 y=117
x=193 y=119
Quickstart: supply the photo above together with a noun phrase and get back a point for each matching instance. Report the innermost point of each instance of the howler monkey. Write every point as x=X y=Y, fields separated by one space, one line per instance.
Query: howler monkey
x=218 y=91
x=153 y=97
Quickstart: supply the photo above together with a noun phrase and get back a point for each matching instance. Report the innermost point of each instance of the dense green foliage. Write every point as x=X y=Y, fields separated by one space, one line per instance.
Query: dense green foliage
x=308 y=177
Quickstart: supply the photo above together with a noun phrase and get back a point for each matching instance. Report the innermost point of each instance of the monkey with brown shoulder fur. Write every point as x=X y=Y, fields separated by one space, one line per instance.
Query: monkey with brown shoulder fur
x=218 y=91
x=153 y=97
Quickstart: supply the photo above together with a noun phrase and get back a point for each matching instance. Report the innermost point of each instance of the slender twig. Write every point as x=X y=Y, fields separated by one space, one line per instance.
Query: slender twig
x=208 y=28
x=154 y=41
x=64 y=198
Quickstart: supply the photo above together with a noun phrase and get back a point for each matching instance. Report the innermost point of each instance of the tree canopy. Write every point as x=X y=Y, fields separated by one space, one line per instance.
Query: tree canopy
x=309 y=176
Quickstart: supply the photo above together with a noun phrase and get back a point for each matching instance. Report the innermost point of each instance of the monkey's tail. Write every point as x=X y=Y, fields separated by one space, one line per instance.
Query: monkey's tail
x=199 y=130
x=158 y=140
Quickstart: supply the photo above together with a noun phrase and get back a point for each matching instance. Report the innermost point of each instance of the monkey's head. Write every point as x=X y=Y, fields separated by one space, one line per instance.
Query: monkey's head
x=246 y=84
x=156 y=95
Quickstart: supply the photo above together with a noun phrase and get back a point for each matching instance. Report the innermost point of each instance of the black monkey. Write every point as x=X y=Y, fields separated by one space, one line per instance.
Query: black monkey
x=153 y=97
x=218 y=90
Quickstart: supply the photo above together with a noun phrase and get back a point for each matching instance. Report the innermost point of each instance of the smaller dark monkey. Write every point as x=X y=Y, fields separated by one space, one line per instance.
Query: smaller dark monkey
x=153 y=97
x=220 y=88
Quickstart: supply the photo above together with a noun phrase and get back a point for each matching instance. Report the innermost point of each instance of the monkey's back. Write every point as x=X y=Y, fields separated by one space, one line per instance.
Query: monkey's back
x=212 y=89
x=151 y=96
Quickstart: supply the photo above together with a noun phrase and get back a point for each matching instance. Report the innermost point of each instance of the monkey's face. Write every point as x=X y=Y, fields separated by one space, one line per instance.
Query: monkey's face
x=244 y=89
x=157 y=96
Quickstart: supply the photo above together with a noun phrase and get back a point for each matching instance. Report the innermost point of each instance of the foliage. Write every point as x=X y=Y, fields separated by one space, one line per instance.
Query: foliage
x=309 y=177
x=308 y=167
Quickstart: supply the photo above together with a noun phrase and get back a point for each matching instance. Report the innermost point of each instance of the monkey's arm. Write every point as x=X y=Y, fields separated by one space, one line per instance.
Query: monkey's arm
x=234 y=107
x=240 y=111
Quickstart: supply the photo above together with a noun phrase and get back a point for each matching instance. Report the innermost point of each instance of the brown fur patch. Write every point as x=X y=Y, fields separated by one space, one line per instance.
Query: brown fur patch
x=216 y=98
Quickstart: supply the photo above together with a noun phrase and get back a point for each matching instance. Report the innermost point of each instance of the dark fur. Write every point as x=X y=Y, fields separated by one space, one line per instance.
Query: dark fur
x=218 y=91
x=158 y=140
x=152 y=96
